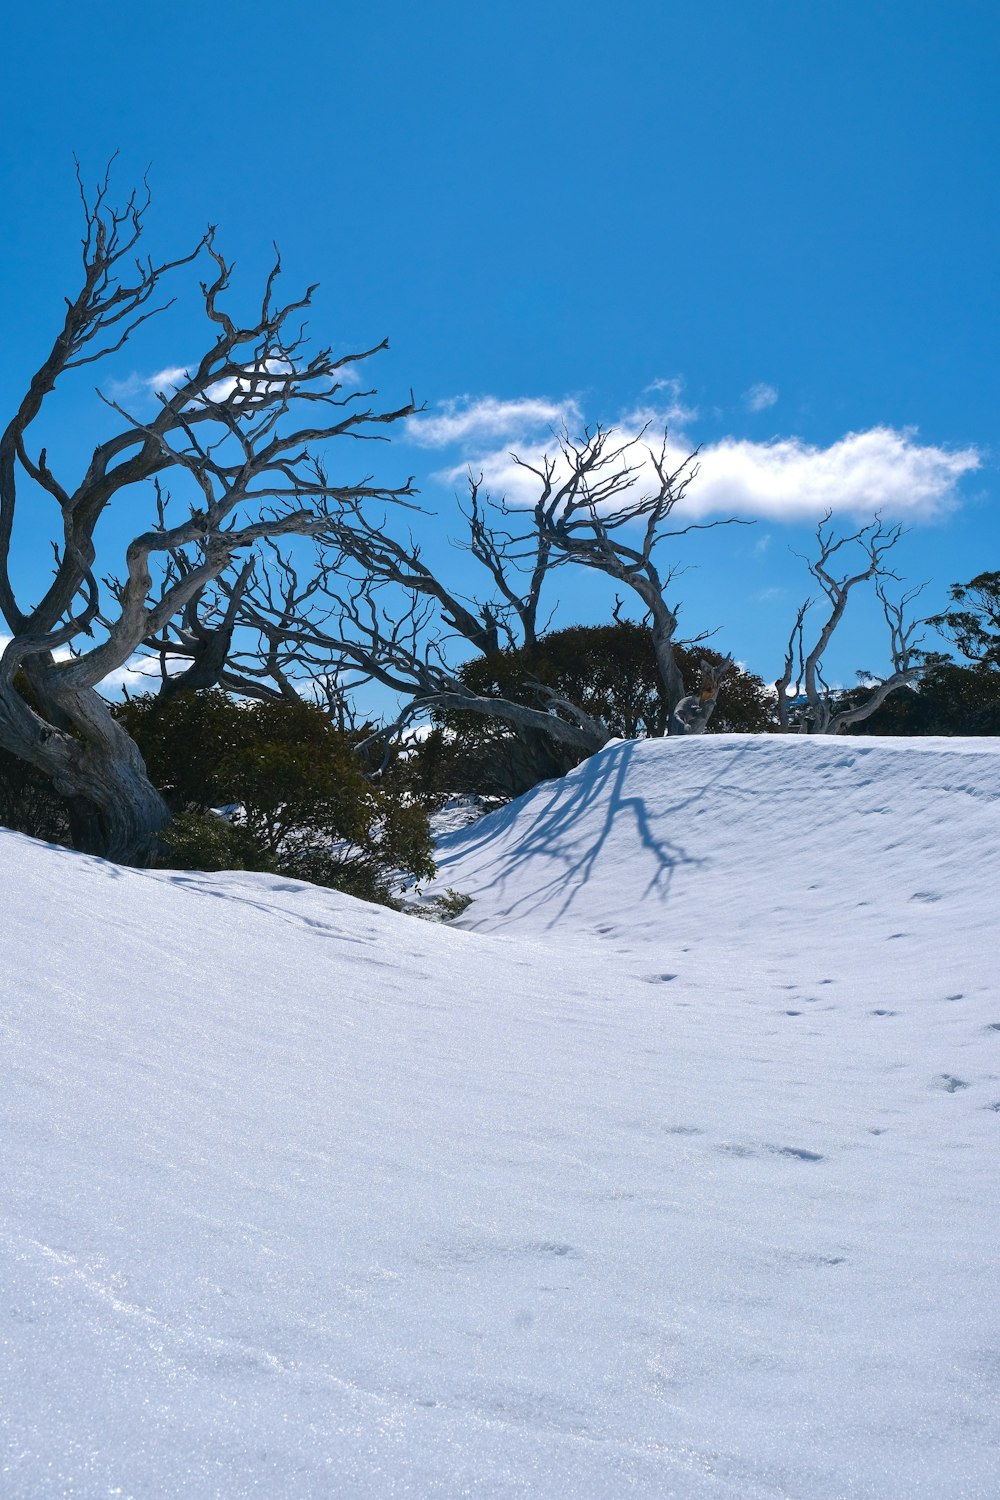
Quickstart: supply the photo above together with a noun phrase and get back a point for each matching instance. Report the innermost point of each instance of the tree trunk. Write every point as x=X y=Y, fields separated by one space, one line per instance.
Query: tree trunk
x=118 y=817
x=115 y=811
x=663 y=624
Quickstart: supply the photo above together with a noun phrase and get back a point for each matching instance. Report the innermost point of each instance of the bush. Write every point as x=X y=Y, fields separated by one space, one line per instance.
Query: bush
x=196 y=840
x=949 y=699
x=608 y=670
x=298 y=802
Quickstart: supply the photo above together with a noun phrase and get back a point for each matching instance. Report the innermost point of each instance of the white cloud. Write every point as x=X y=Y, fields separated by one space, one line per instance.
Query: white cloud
x=760 y=396
x=883 y=469
x=674 y=413
x=463 y=420
x=136 y=385
x=173 y=376
x=787 y=479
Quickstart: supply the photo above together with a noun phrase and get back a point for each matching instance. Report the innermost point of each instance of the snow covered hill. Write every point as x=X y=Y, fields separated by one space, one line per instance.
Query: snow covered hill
x=674 y=1174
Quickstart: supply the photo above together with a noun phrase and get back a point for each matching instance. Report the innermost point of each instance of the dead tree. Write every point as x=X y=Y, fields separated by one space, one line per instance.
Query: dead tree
x=327 y=632
x=400 y=622
x=236 y=433
x=692 y=714
x=806 y=703
x=376 y=610
x=594 y=508
x=370 y=609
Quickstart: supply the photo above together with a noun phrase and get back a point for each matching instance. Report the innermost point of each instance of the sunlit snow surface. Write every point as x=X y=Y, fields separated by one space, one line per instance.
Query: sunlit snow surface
x=674 y=1174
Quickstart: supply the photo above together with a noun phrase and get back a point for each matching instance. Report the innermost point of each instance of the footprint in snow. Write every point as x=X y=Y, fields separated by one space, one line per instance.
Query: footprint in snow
x=949 y=1083
x=659 y=978
x=883 y=1012
x=798 y=1152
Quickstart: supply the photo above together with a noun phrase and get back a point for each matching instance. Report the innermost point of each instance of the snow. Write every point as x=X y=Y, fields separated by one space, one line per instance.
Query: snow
x=670 y=1170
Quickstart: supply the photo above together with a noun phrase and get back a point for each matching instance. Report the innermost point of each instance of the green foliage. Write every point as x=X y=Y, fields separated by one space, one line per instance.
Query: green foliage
x=303 y=806
x=196 y=840
x=608 y=670
x=949 y=699
x=467 y=753
x=453 y=903
x=187 y=742
x=975 y=628
x=446 y=907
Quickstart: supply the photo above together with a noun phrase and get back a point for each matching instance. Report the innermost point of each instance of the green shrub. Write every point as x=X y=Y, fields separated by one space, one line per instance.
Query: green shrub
x=297 y=798
x=196 y=840
x=949 y=699
x=608 y=670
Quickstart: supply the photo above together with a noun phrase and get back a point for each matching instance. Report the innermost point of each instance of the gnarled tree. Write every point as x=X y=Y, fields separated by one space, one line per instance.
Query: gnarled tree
x=609 y=506
x=237 y=435
x=377 y=610
x=806 y=702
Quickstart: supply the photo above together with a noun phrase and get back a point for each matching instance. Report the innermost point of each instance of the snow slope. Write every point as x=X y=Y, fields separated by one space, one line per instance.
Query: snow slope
x=674 y=1176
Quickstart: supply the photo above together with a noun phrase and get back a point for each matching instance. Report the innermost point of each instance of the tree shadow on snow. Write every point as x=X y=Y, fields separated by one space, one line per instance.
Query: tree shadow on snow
x=558 y=833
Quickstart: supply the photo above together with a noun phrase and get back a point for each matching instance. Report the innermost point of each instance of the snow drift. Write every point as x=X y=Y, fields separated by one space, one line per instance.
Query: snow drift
x=674 y=1176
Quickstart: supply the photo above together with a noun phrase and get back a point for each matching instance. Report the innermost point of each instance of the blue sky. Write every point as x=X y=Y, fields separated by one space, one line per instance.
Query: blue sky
x=774 y=221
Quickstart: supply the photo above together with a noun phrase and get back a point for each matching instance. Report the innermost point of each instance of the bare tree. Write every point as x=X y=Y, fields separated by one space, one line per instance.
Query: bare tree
x=692 y=714
x=398 y=621
x=238 y=433
x=806 y=702
x=593 y=509
x=372 y=610
x=329 y=632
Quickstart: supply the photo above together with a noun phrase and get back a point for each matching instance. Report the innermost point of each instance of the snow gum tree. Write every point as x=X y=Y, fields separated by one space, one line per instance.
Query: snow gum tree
x=235 y=436
x=806 y=702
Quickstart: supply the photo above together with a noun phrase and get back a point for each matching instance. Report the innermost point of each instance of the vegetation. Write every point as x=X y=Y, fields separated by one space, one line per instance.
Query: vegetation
x=609 y=671
x=261 y=577
x=949 y=699
x=975 y=627
x=295 y=799
x=952 y=698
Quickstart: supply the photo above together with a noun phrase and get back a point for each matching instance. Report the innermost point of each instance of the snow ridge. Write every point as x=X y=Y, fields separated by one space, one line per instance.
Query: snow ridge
x=670 y=1171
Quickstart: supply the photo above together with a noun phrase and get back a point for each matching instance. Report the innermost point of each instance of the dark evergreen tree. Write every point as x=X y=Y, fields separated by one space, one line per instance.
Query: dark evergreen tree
x=610 y=671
